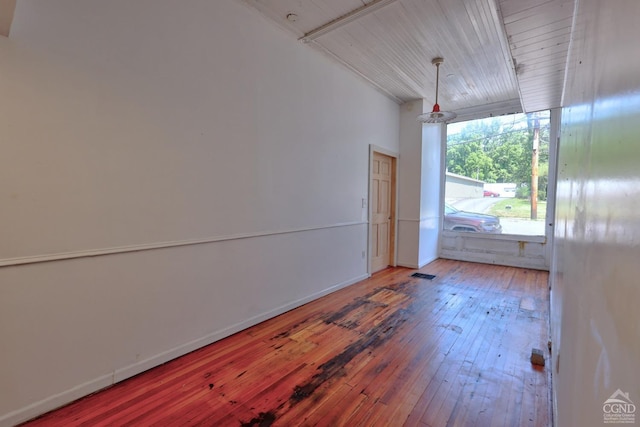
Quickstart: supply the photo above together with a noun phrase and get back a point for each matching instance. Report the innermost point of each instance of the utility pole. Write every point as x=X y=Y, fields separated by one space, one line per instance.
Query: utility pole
x=534 y=168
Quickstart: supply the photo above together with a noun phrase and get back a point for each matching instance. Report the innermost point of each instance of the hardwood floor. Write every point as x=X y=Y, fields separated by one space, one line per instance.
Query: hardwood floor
x=389 y=351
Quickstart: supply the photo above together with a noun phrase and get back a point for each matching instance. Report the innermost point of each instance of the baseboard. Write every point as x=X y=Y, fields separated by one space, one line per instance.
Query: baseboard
x=428 y=261
x=408 y=265
x=159 y=359
x=55 y=401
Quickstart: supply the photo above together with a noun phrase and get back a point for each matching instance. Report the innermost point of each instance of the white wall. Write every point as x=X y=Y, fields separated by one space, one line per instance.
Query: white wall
x=431 y=180
x=198 y=129
x=595 y=321
x=419 y=187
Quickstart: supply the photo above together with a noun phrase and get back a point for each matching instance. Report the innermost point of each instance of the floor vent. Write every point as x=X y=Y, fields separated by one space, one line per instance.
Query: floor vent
x=424 y=276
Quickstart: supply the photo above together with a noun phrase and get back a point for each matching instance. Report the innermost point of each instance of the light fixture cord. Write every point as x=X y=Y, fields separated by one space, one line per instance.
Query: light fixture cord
x=437 y=80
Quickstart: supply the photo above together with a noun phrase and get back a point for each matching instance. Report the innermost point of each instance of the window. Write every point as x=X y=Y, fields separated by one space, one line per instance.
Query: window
x=497 y=173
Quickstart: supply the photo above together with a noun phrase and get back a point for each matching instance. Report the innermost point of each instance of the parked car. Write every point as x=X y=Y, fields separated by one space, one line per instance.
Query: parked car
x=456 y=220
x=488 y=193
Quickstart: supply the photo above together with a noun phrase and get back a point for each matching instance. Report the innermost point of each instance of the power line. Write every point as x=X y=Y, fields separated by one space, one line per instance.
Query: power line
x=467 y=141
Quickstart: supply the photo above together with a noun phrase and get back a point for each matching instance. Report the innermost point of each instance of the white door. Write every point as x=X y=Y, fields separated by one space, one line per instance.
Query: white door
x=382 y=204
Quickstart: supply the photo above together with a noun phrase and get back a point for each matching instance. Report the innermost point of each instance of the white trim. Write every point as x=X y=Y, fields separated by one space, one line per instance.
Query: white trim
x=59 y=399
x=500 y=108
x=417 y=266
x=426 y=218
x=405 y=265
x=345 y=19
x=161 y=245
x=429 y=261
x=382 y=150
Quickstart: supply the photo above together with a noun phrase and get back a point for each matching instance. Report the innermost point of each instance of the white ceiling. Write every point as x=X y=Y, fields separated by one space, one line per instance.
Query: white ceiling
x=499 y=54
x=539 y=32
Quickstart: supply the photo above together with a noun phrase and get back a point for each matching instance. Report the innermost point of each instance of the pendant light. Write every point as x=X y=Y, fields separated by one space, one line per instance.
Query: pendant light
x=437 y=116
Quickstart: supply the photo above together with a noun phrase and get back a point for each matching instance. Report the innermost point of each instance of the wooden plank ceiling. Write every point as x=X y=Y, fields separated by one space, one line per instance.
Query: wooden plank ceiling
x=539 y=33
x=500 y=55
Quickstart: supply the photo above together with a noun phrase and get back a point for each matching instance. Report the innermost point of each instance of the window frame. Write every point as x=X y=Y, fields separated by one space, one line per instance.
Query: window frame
x=545 y=240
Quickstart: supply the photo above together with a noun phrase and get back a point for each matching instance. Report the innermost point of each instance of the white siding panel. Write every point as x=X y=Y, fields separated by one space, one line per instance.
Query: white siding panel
x=507 y=250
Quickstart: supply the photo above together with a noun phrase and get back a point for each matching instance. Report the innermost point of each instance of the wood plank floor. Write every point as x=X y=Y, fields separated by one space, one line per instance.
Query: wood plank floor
x=392 y=350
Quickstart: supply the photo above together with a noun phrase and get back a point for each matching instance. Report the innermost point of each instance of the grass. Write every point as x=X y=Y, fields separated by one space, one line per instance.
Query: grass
x=520 y=208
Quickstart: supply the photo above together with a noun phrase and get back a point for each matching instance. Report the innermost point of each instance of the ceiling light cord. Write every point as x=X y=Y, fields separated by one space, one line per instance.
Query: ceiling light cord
x=437 y=116
x=437 y=80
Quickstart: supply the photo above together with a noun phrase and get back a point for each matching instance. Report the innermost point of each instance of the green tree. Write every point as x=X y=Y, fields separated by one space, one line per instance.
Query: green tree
x=498 y=149
x=470 y=160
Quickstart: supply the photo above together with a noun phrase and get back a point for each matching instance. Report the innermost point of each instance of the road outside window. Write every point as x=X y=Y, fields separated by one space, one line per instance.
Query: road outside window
x=497 y=173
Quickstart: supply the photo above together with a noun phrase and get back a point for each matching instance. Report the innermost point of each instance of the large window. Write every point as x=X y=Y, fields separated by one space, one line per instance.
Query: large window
x=497 y=172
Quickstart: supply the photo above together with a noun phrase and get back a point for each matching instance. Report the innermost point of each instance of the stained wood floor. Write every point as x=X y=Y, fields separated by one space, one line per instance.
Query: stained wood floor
x=392 y=350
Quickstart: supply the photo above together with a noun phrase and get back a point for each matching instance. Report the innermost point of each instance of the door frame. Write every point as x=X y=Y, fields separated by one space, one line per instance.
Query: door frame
x=393 y=238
